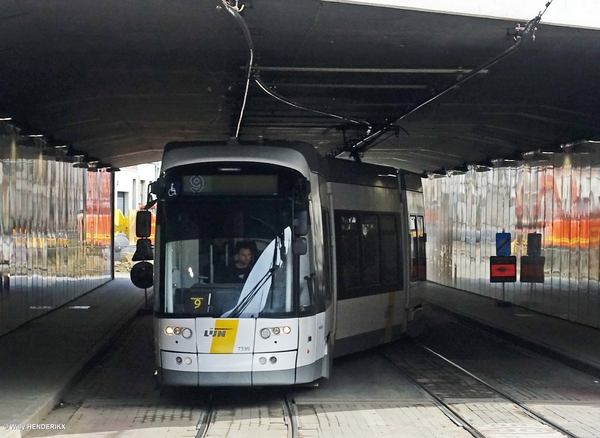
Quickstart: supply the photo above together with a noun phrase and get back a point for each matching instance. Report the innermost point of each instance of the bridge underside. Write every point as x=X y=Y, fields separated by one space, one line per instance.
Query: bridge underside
x=118 y=81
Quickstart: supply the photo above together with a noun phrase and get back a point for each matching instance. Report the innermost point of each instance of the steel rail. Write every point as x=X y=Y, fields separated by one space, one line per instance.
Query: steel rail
x=531 y=412
x=446 y=409
x=290 y=416
x=207 y=418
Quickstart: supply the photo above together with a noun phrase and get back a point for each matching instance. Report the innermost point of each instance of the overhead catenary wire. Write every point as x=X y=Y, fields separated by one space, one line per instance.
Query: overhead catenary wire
x=371 y=137
x=369 y=141
x=252 y=72
x=279 y=97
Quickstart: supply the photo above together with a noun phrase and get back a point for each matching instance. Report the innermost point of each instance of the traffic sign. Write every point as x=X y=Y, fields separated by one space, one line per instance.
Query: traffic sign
x=532 y=269
x=534 y=244
x=503 y=269
x=502 y=244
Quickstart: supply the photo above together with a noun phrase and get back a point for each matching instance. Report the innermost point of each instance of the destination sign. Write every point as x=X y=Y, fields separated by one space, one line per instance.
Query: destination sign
x=207 y=185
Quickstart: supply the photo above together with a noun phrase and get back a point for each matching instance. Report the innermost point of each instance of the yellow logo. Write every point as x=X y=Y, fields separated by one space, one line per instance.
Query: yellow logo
x=224 y=335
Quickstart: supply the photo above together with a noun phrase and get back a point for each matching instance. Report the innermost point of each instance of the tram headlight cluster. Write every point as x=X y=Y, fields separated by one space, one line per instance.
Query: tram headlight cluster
x=178 y=331
x=267 y=331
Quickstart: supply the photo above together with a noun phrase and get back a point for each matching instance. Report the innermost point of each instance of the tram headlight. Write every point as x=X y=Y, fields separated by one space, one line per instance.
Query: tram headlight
x=178 y=331
x=266 y=332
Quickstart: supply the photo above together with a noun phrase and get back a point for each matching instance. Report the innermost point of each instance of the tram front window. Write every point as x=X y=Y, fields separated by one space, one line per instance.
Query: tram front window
x=228 y=257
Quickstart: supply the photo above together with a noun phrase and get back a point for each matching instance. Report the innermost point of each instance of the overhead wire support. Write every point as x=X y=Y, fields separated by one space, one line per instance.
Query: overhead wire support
x=252 y=72
x=522 y=32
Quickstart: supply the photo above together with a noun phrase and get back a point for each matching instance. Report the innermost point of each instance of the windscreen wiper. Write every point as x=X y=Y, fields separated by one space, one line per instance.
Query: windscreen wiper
x=242 y=305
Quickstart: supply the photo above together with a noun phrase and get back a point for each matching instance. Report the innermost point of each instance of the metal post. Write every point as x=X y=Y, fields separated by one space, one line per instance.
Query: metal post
x=212 y=267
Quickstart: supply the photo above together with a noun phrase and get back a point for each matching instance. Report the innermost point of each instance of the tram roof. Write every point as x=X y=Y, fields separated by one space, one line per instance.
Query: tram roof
x=334 y=170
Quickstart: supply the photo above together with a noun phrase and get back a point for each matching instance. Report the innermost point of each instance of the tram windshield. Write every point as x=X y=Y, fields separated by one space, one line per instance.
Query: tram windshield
x=228 y=257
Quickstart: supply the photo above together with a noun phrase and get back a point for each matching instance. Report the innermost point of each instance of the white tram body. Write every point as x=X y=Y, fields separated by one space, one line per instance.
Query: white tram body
x=330 y=272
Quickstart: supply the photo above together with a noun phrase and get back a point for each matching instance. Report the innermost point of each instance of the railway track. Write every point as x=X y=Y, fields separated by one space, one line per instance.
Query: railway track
x=250 y=413
x=470 y=402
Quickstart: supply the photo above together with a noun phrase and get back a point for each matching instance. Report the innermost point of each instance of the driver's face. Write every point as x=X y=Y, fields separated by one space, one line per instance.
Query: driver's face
x=244 y=257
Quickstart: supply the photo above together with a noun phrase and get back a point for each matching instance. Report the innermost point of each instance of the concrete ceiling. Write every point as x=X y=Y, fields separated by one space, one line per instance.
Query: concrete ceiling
x=120 y=79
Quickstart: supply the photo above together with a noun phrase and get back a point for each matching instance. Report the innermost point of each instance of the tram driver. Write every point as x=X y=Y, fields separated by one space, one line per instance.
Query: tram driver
x=243 y=261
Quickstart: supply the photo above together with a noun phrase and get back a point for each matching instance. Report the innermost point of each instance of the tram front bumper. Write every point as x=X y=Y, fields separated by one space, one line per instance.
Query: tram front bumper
x=190 y=369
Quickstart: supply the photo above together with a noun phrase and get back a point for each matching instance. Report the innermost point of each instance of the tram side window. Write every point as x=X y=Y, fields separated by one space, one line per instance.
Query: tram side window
x=370 y=250
x=348 y=251
x=418 y=238
x=389 y=249
x=367 y=253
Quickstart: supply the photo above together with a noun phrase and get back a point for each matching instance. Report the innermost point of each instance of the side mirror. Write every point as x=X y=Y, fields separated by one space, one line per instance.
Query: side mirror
x=143 y=251
x=143 y=223
x=299 y=246
x=301 y=223
x=155 y=187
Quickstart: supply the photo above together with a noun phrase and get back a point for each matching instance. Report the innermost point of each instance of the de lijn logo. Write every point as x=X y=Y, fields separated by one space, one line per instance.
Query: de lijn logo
x=216 y=332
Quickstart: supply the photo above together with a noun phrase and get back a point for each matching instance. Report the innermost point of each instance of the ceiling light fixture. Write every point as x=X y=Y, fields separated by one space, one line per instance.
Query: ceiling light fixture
x=504 y=162
x=479 y=167
x=349 y=86
x=30 y=133
x=580 y=145
x=370 y=70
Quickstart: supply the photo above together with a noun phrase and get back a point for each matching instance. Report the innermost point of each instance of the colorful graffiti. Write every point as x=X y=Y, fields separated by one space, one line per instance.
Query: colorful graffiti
x=559 y=204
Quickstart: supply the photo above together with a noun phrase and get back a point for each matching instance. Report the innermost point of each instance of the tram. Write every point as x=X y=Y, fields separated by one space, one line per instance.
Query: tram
x=271 y=259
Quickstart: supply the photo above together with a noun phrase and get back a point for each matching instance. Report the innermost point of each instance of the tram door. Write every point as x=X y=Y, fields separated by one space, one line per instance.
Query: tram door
x=418 y=239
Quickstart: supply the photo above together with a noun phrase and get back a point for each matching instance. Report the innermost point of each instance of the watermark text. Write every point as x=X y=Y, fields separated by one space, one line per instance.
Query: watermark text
x=35 y=426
